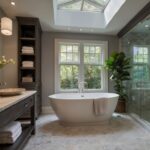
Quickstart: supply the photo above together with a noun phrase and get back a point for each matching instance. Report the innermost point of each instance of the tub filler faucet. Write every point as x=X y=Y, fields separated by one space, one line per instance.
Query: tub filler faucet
x=81 y=86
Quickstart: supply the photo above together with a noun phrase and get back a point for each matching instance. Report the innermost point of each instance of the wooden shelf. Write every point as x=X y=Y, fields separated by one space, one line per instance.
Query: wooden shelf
x=27 y=68
x=26 y=54
x=29 y=35
x=26 y=38
x=21 y=141
x=27 y=83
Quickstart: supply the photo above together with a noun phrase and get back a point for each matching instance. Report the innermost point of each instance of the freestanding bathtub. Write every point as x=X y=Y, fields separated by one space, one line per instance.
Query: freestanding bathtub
x=77 y=108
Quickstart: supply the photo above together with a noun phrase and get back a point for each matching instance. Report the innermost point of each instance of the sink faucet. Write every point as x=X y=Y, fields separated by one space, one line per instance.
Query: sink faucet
x=81 y=86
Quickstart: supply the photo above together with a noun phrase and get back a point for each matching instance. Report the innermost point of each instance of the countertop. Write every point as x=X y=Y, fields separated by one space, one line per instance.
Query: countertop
x=6 y=102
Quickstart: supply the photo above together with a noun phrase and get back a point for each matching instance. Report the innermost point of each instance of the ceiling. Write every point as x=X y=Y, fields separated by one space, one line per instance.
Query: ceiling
x=43 y=9
x=82 y=5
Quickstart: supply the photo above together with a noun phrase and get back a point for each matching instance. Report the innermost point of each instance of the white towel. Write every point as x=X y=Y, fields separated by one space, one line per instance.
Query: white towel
x=11 y=128
x=27 y=79
x=27 y=51
x=8 y=136
x=10 y=140
x=27 y=47
x=99 y=106
x=27 y=63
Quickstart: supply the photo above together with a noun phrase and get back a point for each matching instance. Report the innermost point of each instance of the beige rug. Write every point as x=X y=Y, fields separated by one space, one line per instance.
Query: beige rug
x=122 y=134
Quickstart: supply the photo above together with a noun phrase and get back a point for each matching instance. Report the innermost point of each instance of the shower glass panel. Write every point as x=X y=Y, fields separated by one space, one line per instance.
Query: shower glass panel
x=136 y=44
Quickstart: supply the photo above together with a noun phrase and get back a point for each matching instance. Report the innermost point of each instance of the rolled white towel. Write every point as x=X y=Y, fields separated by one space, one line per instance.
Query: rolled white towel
x=11 y=128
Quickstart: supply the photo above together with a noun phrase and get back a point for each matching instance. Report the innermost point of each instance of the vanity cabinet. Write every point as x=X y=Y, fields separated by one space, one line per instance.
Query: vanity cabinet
x=12 y=108
x=29 y=57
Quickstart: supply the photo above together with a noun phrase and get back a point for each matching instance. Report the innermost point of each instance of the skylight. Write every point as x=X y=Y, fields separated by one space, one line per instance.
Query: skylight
x=82 y=5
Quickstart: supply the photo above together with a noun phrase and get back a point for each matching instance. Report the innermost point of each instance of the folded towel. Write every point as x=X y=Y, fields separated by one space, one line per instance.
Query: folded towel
x=27 y=51
x=27 y=79
x=10 y=140
x=27 y=47
x=11 y=128
x=27 y=63
x=8 y=136
x=99 y=106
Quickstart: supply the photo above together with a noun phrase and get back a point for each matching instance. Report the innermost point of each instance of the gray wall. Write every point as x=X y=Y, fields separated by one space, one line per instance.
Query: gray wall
x=1 y=43
x=48 y=56
x=10 y=51
x=8 y=48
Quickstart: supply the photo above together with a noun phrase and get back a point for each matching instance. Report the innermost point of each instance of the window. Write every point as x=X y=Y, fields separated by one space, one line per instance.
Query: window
x=78 y=61
x=82 y=5
x=141 y=72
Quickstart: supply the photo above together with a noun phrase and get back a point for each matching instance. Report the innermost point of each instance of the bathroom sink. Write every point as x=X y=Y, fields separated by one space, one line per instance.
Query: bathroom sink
x=11 y=91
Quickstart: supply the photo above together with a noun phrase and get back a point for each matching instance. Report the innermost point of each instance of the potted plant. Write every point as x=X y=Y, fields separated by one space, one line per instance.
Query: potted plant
x=118 y=65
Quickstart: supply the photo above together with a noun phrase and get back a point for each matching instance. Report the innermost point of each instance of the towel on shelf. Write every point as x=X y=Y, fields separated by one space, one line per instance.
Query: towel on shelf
x=27 y=79
x=27 y=47
x=10 y=133
x=27 y=51
x=11 y=128
x=11 y=139
x=99 y=106
x=27 y=63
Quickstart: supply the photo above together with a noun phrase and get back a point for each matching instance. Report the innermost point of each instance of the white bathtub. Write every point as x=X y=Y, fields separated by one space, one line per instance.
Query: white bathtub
x=77 y=108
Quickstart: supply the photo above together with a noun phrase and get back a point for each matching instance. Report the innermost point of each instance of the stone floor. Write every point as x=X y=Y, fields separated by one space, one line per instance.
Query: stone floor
x=122 y=134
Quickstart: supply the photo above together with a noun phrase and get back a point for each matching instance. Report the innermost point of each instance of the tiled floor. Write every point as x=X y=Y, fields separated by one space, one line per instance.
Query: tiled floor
x=122 y=134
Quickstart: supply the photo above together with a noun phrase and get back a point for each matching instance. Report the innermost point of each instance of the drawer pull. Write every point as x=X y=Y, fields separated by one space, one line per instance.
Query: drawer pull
x=26 y=105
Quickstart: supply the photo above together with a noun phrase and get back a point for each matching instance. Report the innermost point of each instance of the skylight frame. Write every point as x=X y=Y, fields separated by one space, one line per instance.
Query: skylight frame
x=95 y=4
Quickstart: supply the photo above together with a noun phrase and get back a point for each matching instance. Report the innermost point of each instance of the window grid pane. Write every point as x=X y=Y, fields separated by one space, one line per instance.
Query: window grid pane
x=69 y=53
x=93 y=54
x=69 y=76
x=140 y=73
x=140 y=55
x=92 y=77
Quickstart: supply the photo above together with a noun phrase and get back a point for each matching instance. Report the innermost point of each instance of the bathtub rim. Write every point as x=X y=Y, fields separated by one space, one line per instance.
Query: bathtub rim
x=54 y=96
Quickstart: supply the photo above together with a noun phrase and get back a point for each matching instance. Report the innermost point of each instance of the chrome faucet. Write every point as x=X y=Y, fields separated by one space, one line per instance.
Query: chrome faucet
x=81 y=86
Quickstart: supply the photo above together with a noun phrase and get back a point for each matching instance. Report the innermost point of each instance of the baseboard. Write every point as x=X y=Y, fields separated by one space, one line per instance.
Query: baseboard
x=47 y=110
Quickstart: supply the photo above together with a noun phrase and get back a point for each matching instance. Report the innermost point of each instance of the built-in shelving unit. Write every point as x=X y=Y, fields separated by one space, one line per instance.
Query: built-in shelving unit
x=29 y=63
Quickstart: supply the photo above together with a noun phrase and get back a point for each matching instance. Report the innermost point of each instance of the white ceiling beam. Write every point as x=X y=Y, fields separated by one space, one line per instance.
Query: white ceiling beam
x=67 y=3
x=94 y=3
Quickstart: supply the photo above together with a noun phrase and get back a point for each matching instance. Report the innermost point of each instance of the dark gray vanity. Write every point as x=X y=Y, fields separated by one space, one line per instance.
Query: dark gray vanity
x=12 y=108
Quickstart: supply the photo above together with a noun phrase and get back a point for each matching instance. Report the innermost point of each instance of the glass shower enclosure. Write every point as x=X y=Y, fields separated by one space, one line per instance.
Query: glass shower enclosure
x=136 y=44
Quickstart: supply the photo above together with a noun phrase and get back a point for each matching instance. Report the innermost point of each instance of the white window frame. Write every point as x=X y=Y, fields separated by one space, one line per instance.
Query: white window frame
x=104 y=77
x=139 y=64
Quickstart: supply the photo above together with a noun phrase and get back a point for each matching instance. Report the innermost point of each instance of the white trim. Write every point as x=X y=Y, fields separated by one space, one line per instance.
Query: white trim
x=47 y=110
x=105 y=72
